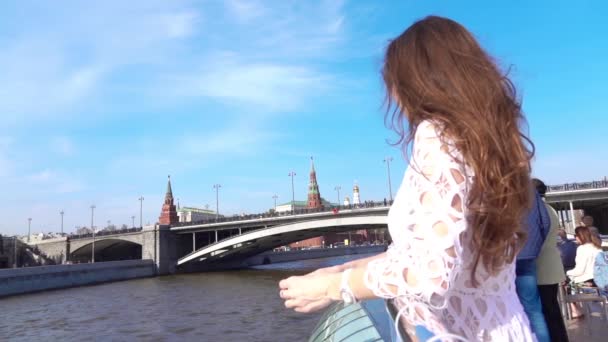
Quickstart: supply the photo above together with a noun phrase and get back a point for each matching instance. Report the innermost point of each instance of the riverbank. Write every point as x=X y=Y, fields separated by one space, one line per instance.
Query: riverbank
x=16 y=281
x=34 y=279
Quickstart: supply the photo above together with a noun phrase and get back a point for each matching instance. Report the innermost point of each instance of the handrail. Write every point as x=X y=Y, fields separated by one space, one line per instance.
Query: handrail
x=237 y=218
x=104 y=233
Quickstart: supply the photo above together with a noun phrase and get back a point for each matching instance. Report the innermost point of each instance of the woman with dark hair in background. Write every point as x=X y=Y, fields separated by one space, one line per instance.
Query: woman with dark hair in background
x=456 y=222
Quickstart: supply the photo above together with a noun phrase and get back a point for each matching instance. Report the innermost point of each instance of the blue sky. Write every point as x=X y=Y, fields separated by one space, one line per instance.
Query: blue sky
x=99 y=102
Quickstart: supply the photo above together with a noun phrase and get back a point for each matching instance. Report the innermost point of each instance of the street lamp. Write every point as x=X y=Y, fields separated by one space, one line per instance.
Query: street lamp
x=141 y=205
x=29 y=228
x=15 y=252
x=133 y=220
x=293 y=196
x=388 y=161
x=93 y=230
x=217 y=201
x=275 y=202
x=338 y=188
x=61 y=213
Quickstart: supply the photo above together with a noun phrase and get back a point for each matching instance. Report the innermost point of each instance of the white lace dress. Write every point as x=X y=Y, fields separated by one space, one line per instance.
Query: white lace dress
x=427 y=269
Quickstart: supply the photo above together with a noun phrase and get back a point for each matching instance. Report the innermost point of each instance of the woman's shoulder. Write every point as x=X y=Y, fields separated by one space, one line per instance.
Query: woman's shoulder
x=589 y=248
x=428 y=128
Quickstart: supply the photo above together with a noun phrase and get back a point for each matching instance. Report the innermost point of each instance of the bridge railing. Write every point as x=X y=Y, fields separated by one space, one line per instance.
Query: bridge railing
x=105 y=233
x=579 y=186
x=236 y=218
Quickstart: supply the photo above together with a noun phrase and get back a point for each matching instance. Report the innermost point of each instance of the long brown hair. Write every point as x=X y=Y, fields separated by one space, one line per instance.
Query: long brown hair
x=437 y=71
x=585 y=236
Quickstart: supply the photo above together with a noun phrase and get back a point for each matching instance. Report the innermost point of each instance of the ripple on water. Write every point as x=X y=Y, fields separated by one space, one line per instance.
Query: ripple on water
x=219 y=306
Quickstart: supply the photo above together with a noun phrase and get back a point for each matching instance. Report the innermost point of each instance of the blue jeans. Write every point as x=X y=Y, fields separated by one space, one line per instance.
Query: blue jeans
x=527 y=291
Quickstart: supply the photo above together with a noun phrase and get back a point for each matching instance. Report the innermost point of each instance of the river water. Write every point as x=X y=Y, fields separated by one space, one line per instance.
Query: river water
x=220 y=306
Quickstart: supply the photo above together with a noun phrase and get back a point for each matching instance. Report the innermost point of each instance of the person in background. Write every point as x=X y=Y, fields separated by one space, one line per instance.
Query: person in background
x=550 y=273
x=582 y=274
x=588 y=222
x=567 y=250
x=537 y=225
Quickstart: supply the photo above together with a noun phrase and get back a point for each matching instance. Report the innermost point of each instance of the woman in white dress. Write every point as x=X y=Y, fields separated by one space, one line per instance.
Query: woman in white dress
x=582 y=274
x=456 y=221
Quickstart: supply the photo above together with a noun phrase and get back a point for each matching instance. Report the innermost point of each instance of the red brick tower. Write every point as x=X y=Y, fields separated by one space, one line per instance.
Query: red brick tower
x=168 y=215
x=314 y=196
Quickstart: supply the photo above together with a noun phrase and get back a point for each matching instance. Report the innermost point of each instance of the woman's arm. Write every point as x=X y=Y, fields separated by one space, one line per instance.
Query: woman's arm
x=425 y=256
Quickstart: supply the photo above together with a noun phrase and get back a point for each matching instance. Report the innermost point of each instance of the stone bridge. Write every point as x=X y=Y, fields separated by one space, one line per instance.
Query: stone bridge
x=152 y=242
x=234 y=238
x=248 y=238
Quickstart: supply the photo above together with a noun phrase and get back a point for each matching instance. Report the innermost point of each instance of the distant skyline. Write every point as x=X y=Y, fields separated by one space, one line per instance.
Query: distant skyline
x=101 y=101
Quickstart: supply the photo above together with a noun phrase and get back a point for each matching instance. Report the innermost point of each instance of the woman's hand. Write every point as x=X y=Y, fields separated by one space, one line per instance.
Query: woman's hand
x=311 y=292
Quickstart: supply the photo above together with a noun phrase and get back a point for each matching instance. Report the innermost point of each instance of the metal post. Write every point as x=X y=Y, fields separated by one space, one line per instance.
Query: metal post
x=217 y=201
x=572 y=216
x=193 y=241
x=93 y=230
x=133 y=221
x=388 y=161
x=15 y=252
x=216 y=236
x=337 y=188
x=275 y=202
x=61 y=212
x=29 y=226
x=141 y=206
x=293 y=196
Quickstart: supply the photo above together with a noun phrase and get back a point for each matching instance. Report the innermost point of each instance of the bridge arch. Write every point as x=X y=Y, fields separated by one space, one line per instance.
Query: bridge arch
x=108 y=249
x=255 y=242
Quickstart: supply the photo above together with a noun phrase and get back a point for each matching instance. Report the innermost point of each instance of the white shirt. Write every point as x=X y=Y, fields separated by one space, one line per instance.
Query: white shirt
x=585 y=260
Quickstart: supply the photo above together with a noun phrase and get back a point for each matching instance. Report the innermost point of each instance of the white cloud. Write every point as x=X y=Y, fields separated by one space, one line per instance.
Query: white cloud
x=62 y=146
x=246 y=10
x=67 y=57
x=335 y=26
x=272 y=87
x=43 y=176
x=51 y=182
x=6 y=164
x=181 y=25
x=68 y=185
x=234 y=141
x=185 y=153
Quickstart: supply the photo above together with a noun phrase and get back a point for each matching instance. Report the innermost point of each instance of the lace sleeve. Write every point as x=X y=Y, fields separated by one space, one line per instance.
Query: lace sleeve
x=425 y=225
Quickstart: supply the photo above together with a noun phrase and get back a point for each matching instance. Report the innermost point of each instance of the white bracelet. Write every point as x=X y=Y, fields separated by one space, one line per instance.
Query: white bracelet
x=345 y=291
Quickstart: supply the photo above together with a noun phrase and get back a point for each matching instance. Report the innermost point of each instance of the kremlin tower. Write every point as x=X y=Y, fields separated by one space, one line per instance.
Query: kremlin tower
x=168 y=214
x=314 y=196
